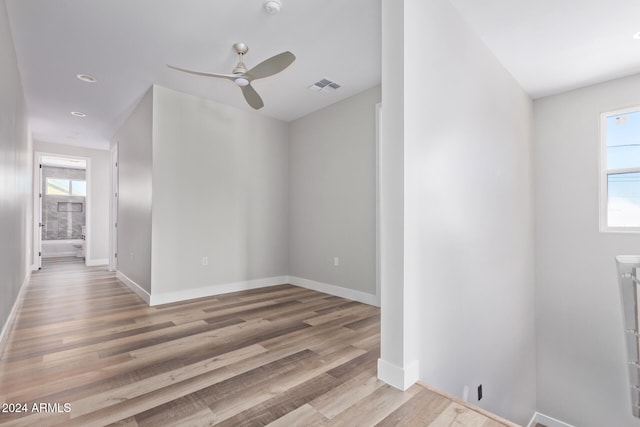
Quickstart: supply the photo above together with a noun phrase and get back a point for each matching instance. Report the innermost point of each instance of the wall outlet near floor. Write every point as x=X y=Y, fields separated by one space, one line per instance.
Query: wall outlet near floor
x=465 y=393
x=205 y=260
x=336 y=261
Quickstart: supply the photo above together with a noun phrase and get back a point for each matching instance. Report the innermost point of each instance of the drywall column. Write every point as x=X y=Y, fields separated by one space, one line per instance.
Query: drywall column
x=468 y=220
x=398 y=364
x=456 y=213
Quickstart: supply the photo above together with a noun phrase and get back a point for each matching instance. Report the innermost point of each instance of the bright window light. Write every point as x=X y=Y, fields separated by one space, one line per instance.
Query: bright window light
x=620 y=171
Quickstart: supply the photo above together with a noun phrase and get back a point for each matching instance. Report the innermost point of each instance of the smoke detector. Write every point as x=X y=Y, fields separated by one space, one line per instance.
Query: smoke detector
x=272 y=7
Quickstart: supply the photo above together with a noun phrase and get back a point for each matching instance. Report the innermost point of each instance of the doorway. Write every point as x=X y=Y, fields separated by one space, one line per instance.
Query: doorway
x=62 y=205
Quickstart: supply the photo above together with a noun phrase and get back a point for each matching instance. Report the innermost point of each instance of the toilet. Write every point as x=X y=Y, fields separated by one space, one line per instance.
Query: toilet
x=80 y=246
x=79 y=250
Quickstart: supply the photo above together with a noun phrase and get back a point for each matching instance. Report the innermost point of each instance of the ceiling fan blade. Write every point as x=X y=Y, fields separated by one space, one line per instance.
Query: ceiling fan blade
x=201 y=73
x=252 y=97
x=271 y=66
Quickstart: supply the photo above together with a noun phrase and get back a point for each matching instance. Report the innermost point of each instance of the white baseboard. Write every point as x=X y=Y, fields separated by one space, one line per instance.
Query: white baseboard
x=399 y=377
x=224 y=288
x=546 y=421
x=146 y=297
x=4 y=333
x=97 y=262
x=207 y=291
x=338 y=291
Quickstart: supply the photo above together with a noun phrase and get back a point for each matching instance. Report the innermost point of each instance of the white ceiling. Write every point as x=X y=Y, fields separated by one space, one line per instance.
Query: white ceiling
x=549 y=46
x=126 y=45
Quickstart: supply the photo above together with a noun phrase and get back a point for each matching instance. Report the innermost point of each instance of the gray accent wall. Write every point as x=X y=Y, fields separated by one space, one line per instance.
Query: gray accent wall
x=332 y=193
x=219 y=191
x=582 y=370
x=16 y=213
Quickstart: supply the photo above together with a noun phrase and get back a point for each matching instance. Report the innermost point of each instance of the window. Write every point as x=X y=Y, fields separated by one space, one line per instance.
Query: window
x=78 y=188
x=620 y=170
x=66 y=187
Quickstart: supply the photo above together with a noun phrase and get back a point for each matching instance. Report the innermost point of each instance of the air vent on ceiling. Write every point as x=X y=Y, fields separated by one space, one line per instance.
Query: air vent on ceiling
x=324 y=86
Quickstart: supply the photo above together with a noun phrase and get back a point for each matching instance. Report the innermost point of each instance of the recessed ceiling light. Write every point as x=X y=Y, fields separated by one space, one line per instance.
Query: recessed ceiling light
x=637 y=35
x=88 y=78
x=78 y=114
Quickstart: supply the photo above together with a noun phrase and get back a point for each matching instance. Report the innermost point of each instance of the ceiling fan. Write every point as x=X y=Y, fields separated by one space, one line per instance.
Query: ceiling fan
x=243 y=77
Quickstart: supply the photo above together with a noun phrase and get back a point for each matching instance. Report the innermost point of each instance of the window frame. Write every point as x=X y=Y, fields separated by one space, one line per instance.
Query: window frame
x=71 y=189
x=47 y=186
x=70 y=182
x=605 y=172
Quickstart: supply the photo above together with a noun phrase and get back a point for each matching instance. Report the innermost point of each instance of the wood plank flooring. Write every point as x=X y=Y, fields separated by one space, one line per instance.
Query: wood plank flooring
x=86 y=351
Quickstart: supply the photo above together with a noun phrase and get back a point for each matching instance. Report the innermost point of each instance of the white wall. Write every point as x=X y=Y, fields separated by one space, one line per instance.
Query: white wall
x=468 y=223
x=332 y=194
x=582 y=373
x=134 y=140
x=98 y=237
x=219 y=191
x=15 y=177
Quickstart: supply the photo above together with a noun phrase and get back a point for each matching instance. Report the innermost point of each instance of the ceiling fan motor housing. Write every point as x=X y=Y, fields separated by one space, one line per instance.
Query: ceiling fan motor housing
x=272 y=6
x=240 y=48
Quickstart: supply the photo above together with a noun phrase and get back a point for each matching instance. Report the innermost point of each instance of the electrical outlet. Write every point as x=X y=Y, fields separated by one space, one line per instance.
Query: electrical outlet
x=465 y=393
x=336 y=261
x=205 y=260
x=480 y=392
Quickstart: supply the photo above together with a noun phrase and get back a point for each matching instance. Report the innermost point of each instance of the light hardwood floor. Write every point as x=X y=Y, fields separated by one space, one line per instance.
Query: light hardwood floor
x=94 y=354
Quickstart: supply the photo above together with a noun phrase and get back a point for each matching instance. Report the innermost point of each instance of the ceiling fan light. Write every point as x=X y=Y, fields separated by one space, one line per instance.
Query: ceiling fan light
x=241 y=81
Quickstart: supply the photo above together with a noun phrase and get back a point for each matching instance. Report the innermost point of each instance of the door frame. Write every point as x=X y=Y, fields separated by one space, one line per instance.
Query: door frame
x=38 y=191
x=37 y=216
x=377 y=231
x=113 y=212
